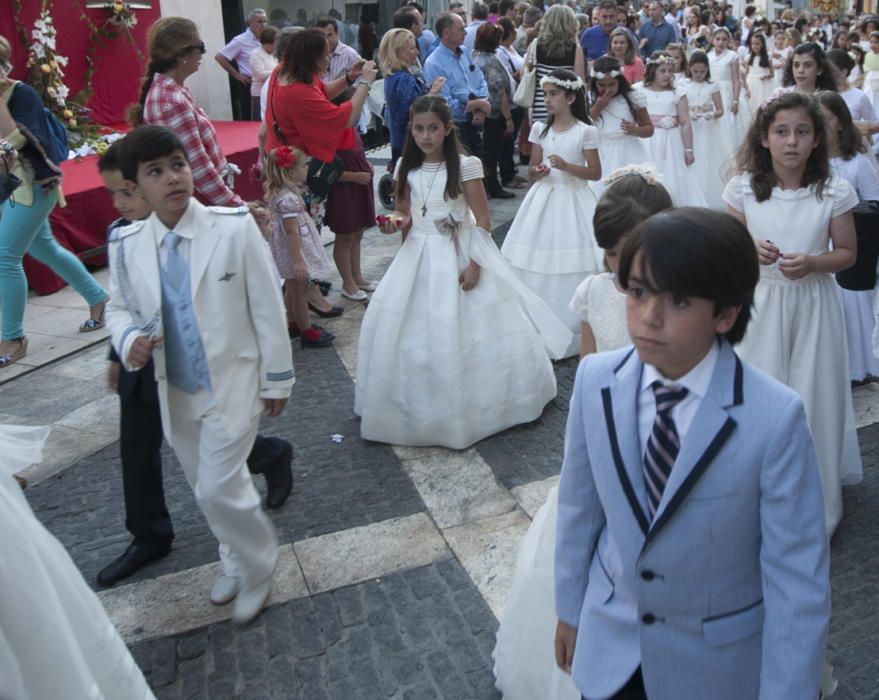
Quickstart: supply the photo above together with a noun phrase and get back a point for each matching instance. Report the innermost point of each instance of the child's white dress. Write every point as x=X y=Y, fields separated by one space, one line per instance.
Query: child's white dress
x=524 y=664
x=616 y=148
x=440 y=366
x=551 y=244
x=759 y=87
x=721 y=73
x=711 y=147
x=857 y=307
x=797 y=332
x=667 y=149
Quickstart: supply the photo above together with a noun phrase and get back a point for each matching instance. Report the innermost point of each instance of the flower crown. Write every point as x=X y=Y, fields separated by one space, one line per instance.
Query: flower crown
x=659 y=61
x=778 y=92
x=284 y=156
x=645 y=171
x=569 y=85
x=610 y=74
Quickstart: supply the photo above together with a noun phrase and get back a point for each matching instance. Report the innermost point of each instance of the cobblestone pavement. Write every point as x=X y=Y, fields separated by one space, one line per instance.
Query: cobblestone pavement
x=394 y=561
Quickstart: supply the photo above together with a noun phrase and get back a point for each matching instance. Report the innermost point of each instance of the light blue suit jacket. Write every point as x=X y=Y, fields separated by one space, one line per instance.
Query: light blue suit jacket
x=726 y=594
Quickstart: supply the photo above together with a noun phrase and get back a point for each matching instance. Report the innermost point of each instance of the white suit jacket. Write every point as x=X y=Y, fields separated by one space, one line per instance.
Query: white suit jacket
x=726 y=594
x=237 y=305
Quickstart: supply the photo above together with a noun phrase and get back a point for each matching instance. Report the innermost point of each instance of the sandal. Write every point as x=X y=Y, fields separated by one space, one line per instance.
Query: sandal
x=94 y=324
x=20 y=352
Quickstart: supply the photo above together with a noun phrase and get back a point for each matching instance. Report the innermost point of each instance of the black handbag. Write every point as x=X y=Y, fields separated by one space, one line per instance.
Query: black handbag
x=322 y=175
x=861 y=276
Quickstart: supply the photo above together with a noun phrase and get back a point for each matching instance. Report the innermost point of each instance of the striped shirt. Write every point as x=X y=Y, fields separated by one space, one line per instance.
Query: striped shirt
x=545 y=66
x=341 y=61
x=171 y=105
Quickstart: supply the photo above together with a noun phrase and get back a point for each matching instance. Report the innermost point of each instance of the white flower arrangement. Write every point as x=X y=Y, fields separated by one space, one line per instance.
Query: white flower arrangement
x=48 y=67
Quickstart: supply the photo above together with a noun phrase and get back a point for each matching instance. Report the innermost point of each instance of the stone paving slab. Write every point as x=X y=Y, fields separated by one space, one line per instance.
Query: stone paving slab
x=414 y=635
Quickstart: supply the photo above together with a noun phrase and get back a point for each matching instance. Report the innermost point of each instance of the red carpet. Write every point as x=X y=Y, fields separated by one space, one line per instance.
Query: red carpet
x=82 y=224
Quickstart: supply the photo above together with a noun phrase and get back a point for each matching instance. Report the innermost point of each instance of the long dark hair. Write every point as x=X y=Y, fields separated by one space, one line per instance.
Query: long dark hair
x=754 y=158
x=849 y=139
x=413 y=157
x=826 y=79
x=763 y=56
x=579 y=108
x=609 y=64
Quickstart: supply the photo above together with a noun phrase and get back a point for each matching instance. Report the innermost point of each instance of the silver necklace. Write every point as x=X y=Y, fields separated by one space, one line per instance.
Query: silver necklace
x=426 y=196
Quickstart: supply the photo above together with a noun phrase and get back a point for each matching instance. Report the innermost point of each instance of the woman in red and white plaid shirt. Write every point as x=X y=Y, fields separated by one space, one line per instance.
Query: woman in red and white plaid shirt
x=175 y=54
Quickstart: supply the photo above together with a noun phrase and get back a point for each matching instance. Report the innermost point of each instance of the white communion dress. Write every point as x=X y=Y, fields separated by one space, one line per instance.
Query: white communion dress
x=761 y=85
x=711 y=148
x=524 y=661
x=797 y=333
x=616 y=148
x=437 y=365
x=722 y=73
x=667 y=149
x=551 y=244
x=56 y=640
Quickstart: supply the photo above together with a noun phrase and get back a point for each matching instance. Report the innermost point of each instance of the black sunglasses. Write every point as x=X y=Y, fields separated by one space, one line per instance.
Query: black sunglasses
x=200 y=46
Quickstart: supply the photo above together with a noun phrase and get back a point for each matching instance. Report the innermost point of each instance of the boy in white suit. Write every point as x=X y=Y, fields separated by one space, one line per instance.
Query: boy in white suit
x=691 y=559
x=192 y=287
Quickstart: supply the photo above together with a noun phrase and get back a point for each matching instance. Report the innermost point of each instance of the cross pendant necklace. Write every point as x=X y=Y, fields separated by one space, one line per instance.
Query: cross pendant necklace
x=426 y=196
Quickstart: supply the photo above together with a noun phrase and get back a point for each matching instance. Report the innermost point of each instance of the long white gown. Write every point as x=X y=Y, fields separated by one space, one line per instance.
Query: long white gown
x=551 y=244
x=857 y=307
x=797 y=332
x=524 y=661
x=616 y=148
x=440 y=366
x=56 y=640
x=721 y=66
x=759 y=86
x=667 y=149
x=711 y=148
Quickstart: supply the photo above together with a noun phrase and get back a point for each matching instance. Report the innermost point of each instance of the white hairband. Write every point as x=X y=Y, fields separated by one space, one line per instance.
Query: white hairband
x=659 y=61
x=645 y=171
x=571 y=85
x=601 y=76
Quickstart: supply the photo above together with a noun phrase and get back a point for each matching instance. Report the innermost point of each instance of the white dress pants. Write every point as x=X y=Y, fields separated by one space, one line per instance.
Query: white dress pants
x=215 y=466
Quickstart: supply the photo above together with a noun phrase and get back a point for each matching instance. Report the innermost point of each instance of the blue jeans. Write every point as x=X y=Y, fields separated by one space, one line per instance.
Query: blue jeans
x=26 y=230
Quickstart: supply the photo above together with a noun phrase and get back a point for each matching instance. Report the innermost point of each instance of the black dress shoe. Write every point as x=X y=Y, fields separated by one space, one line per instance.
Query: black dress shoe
x=279 y=482
x=331 y=313
x=324 y=339
x=501 y=194
x=130 y=561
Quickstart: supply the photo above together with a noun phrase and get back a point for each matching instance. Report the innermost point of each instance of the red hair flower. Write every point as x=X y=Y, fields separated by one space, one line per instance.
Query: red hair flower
x=284 y=156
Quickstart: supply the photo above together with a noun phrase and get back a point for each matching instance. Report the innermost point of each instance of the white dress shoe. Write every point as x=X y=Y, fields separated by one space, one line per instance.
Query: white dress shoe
x=359 y=295
x=250 y=601
x=225 y=589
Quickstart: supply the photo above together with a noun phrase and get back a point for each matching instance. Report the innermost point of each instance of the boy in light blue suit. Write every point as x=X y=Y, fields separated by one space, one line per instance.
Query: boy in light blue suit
x=691 y=558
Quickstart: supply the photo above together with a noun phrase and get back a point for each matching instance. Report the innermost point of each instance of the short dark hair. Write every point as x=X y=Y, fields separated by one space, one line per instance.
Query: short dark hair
x=479 y=10
x=505 y=6
x=488 y=38
x=326 y=22
x=841 y=59
x=147 y=143
x=417 y=5
x=607 y=5
x=406 y=17
x=700 y=253
x=444 y=20
x=268 y=35
x=301 y=56
x=110 y=159
x=624 y=205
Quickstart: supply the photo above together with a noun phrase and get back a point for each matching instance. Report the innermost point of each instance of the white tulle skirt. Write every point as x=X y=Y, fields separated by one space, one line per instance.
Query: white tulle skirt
x=56 y=640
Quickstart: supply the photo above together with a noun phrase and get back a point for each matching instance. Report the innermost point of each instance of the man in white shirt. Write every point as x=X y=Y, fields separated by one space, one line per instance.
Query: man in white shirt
x=239 y=50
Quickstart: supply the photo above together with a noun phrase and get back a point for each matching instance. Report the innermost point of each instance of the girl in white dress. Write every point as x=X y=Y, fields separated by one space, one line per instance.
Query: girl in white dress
x=525 y=666
x=797 y=333
x=808 y=70
x=620 y=115
x=780 y=53
x=677 y=52
x=550 y=244
x=671 y=146
x=759 y=76
x=850 y=160
x=453 y=347
x=710 y=145
x=56 y=640
x=727 y=74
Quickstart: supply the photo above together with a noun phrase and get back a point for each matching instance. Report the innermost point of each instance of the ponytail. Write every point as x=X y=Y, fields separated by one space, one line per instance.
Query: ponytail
x=134 y=115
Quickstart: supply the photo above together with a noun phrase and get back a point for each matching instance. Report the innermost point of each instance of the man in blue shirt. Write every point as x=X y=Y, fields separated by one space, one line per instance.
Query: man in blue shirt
x=595 y=39
x=479 y=13
x=465 y=89
x=656 y=34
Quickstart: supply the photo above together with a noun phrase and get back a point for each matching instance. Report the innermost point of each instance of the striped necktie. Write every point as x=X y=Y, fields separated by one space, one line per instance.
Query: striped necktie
x=662 y=445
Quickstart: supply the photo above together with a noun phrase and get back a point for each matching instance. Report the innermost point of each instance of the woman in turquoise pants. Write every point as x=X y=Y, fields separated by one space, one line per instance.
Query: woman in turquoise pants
x=24 y=217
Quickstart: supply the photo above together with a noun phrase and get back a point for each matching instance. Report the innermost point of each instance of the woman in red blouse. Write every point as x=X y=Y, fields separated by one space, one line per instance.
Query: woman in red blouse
x=175 y=54
x=622 y=47
x=299 y=103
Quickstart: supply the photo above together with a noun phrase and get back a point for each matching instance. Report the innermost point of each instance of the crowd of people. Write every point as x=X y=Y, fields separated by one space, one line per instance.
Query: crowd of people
x=694 y=182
